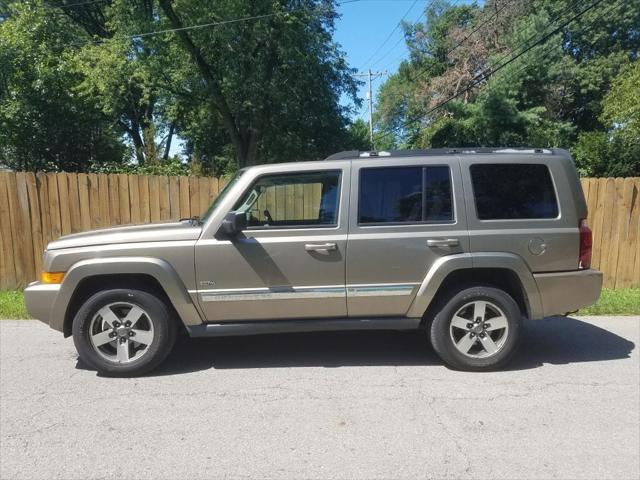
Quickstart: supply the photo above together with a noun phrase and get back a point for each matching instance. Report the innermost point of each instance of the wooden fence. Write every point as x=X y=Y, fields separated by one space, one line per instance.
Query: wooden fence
x=38 y=208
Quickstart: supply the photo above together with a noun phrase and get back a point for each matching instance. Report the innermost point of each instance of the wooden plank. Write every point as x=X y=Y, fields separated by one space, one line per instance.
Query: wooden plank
x=154 y=198
x=316 y=197
x=185 y=198
x=83 y=196
x=125 y=202
x=63 y=198
x=592 y=201
x=74 y=202
x=165 y=208
x=261 y=207
x=609 y=200
x=134 y=196
x=35 y=222
x=12 y=195
x=103 y=200
x=280 y=204
x=143 y=185
x=617 y=215
x=308 y=202
x=8 y=278
x=626 y=255
x=174 y=198
x=270 y=205
x=25 y=244
x=213 y=189
x=114 y=200
x=94 y=200
x=54 y=206
x=203 y=190
x=598 y=220
x=45 y=214
x=289 y=205
x=194 y=196
x=298 y=201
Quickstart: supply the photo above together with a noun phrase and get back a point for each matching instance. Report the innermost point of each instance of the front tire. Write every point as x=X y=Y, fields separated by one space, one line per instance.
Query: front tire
x=124 y=332
x=477 y=329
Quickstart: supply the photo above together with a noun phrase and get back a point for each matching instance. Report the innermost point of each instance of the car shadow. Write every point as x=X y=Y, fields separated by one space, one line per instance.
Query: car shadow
x=557 y=340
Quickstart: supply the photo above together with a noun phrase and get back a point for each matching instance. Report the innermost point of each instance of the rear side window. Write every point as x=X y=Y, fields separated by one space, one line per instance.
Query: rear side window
x=513 y=191
x=405 y=195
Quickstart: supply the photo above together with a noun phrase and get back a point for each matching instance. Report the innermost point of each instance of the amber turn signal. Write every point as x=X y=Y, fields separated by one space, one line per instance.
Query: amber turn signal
x=51 y=277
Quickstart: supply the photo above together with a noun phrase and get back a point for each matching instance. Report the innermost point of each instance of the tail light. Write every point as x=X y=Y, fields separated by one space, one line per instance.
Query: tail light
x=586 y=242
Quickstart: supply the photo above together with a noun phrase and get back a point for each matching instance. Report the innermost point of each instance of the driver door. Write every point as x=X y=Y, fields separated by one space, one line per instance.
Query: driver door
x=289 y=262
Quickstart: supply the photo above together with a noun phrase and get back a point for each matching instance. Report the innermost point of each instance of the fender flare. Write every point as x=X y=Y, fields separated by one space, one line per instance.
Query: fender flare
x=450 y=263
x=157 y=268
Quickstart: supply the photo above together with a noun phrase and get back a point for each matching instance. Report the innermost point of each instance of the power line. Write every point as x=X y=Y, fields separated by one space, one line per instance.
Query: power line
x=413 y=4
x=504 y=5
x=584 y=29
x=483 y=77
x=402 y=38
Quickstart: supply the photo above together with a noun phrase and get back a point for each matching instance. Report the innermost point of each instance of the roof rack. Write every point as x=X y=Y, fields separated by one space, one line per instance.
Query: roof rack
x=355 y=154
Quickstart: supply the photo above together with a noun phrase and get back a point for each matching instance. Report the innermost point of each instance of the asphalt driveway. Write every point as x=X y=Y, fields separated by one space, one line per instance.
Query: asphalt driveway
x=327 y=405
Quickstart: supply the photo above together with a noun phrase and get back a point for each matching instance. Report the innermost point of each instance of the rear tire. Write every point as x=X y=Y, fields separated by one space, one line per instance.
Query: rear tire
x=477 y=329
x=123 y=332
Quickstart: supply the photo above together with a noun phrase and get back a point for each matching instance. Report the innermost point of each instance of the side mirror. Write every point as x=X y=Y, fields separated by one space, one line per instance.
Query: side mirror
x=233 y=224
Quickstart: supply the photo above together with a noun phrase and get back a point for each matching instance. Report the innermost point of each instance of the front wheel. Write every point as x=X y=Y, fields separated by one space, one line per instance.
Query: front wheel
x=123 y=332
x=477 y=329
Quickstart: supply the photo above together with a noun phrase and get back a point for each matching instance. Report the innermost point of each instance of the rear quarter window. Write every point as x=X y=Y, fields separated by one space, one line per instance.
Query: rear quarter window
x=513 y=191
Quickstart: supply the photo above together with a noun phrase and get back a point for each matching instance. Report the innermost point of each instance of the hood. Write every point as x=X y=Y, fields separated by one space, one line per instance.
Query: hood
x=156 y=232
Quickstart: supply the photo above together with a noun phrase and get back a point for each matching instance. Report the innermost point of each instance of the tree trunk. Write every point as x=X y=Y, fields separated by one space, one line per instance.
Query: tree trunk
x=167 y=147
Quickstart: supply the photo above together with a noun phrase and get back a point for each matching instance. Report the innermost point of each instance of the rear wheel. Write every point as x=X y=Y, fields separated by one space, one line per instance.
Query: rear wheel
x=124 y=332
x=477 y=329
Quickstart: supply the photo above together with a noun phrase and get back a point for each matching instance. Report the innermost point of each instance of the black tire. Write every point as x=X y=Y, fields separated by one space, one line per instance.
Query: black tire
x=157 y=314
x=443 y=335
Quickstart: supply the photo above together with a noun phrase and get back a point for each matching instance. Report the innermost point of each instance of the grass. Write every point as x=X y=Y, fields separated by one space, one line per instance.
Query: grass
x=12 y=304
x=625 y=301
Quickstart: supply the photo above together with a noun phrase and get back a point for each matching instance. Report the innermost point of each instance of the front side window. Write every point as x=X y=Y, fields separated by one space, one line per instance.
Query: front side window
x=302 y=199
x=508 y=191
x=405 y=195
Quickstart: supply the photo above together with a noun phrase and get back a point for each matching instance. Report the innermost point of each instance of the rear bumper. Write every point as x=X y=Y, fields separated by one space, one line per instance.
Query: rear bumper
x=564 y=292
x=39 y=299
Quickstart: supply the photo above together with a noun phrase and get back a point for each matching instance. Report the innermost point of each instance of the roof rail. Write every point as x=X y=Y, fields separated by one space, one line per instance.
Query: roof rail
x=355 y=154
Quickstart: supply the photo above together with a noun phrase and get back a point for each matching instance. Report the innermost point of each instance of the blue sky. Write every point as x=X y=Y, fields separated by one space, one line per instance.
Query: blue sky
x=363 y=29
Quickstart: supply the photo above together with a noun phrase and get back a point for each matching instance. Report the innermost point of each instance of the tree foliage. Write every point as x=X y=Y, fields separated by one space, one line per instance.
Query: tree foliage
x=261 y=82
x=574 y=91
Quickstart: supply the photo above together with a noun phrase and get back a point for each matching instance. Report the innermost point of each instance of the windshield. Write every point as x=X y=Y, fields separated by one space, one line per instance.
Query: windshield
x=221 y=195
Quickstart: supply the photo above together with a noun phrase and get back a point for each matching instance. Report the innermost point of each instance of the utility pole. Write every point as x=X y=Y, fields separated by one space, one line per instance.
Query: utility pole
x=370 y=75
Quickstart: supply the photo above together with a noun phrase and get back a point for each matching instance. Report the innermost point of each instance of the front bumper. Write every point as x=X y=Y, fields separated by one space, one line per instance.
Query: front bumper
x=564 y=292
x=40 y=299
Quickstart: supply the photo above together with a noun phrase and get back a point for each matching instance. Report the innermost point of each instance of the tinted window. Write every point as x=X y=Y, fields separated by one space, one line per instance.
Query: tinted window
x=513 y=191
x=292 y=200
x=405 y=195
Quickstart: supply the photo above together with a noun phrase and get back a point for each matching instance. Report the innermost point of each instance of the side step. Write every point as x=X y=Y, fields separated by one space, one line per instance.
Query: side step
x=262 y=327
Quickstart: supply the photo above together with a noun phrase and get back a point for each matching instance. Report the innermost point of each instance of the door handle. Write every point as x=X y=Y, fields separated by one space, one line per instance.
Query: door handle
x=314 y=247
x=443 y=242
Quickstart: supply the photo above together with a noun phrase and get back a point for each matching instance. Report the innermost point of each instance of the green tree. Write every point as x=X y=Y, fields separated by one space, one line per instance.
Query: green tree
x=44 y=123
x=616 y=151
x=273 y=83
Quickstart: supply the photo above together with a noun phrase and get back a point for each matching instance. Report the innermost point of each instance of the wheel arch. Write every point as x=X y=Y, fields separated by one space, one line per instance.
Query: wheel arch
x=153 y=275
x=453 y=273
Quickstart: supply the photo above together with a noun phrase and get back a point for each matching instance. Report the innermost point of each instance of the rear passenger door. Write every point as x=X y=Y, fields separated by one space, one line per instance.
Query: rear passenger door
x=403 y=218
